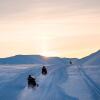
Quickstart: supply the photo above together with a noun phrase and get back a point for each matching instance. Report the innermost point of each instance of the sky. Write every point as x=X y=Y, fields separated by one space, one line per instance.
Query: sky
x=64 y=28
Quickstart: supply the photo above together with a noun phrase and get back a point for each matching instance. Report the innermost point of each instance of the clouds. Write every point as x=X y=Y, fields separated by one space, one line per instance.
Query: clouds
x=8 y=7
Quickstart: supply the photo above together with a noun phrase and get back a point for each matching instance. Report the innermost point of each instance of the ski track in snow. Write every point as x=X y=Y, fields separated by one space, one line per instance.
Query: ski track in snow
x=90 y=83
x=48 y=88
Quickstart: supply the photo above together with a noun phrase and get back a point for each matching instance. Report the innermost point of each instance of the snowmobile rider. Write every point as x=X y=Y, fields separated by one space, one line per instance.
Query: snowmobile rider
x=70 y=62
x=44 y=70
x=31 y=81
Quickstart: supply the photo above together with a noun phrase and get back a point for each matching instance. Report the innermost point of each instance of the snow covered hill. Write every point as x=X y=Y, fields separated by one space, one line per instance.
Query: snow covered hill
x=93 y=59
x=22 y=59
x=32 y=59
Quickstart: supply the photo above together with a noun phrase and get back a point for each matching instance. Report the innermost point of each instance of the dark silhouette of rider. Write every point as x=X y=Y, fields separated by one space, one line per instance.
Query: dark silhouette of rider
x=70 y=62
x=31 y=81
x=44 y=70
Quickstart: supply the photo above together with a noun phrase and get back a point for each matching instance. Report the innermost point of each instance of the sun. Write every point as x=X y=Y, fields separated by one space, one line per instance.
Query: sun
x=45 y=53
x=48 y=53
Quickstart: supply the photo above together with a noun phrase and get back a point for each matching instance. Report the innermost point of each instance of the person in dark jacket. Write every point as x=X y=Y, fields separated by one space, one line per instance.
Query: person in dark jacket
x=44 y=70
x=31 y=82
x=70 y=62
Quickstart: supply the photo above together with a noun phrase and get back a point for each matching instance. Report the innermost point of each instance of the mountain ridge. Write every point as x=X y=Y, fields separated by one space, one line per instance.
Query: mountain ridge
x=91 y=59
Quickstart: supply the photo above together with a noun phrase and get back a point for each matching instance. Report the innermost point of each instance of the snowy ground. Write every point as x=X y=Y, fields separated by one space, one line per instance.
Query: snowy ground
x=63 y=82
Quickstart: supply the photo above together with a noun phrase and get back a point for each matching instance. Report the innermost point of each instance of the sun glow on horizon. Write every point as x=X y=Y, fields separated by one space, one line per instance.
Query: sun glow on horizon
x=49 y=53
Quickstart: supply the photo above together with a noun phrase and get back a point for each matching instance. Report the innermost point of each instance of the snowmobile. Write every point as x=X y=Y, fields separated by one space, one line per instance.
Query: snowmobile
x=32 y=82
x=44 y=70
x=70 y=62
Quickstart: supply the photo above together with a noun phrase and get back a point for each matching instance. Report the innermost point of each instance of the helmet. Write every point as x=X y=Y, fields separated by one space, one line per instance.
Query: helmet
x=29 y=76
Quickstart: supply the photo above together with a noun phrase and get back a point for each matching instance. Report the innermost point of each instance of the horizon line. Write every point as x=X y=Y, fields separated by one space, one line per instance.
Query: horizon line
x=48 y=56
